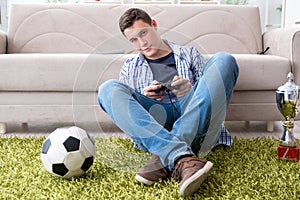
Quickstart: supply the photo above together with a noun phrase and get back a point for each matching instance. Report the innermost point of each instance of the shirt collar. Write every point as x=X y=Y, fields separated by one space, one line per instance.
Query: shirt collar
x=175 y=48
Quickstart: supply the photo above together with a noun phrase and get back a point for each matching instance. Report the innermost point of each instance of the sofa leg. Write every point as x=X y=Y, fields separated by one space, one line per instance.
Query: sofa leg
x=25 y=126
x=247 y=125
x=270 y=126
x=2 y=127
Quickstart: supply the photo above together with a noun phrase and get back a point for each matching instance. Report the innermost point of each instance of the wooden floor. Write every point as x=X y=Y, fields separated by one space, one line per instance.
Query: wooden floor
x=253 y=129
x=238 y=129
x=259 y=129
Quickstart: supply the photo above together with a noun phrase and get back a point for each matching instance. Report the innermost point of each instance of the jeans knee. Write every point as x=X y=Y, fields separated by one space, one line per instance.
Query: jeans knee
x=227 y=57
x=105 y=89
x=229 y=60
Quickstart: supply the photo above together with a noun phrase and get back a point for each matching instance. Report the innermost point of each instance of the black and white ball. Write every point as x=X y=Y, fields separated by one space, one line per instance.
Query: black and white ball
x=68 y=152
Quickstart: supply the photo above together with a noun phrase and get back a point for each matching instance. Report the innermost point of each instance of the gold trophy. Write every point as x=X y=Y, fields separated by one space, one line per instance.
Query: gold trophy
x=287 y=97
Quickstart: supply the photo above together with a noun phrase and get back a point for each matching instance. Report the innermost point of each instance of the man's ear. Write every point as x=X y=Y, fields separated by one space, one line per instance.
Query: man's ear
x=154 y=23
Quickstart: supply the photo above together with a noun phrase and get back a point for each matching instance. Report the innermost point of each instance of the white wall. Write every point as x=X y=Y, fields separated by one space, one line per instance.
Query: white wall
x=292 y=13
x=270 y=16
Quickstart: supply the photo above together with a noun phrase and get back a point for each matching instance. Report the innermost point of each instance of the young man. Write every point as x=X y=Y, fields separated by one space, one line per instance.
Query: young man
x=171 y=102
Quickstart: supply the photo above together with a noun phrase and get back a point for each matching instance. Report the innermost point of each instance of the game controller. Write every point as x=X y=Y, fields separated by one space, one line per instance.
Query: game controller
x=166 y=86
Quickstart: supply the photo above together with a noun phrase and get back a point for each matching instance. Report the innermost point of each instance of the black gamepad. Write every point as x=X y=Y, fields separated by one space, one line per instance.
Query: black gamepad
x=166 y=86
x=162 y=88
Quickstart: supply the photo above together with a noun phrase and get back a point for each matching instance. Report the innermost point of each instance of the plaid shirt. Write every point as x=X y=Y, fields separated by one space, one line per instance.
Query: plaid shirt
x=137 y=73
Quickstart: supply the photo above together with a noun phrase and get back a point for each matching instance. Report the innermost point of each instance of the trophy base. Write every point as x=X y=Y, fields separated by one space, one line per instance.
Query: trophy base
x=288 y=153
x=289 y=144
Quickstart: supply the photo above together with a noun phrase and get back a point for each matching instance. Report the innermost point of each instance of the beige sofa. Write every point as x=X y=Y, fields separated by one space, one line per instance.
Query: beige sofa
x=54 y=57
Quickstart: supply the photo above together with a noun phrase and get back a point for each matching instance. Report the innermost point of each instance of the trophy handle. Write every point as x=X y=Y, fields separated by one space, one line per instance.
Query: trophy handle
x=298 y=100
x=297 y=89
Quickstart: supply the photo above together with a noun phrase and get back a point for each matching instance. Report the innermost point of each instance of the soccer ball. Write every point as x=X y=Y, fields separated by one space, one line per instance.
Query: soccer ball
x=68 y=152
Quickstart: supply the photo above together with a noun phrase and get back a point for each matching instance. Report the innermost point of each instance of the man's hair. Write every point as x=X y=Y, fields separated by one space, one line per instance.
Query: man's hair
x=132 y=15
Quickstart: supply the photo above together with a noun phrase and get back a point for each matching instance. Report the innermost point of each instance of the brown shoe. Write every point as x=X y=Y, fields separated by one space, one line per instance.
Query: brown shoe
x=192 y=172
x=152 y=172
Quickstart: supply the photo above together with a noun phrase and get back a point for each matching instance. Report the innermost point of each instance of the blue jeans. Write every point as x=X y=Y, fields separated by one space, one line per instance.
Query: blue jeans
x=161 y=129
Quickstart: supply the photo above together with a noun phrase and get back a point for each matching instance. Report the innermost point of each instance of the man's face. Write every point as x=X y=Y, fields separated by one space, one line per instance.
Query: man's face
x=144 y=38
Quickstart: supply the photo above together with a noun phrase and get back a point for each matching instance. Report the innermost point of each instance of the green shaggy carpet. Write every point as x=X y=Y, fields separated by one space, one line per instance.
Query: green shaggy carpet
x=247 y=170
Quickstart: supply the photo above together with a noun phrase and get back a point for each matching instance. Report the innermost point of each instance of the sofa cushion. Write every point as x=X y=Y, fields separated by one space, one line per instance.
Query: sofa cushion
x=85 y=72
x=58 y=72
x=69 y=28
x=261 y=72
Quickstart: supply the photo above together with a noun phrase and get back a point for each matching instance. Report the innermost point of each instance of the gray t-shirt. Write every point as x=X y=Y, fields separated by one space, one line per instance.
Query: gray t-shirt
x=163 y=69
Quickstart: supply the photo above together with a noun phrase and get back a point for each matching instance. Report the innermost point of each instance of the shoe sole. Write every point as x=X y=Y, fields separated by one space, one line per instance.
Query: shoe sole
x=192 y=184
x=143 y=180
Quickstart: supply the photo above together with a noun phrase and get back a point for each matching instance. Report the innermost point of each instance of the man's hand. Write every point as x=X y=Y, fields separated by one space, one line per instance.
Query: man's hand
x=183 y=85
x=149 y=91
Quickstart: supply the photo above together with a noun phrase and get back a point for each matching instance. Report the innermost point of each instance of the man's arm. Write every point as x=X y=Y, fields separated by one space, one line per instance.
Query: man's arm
x=124 y=73
x=197 y=63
